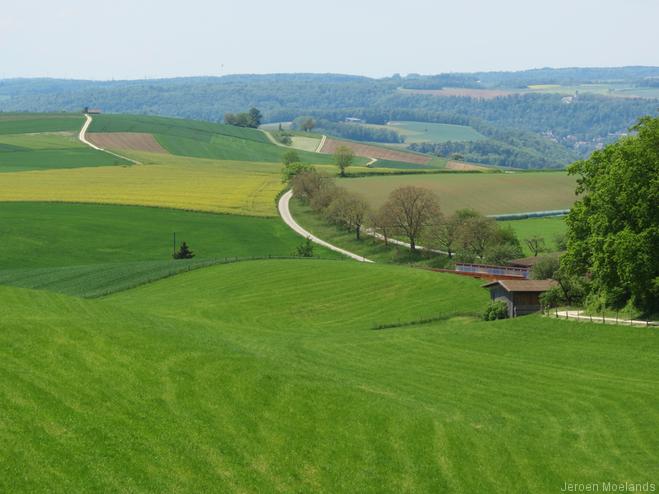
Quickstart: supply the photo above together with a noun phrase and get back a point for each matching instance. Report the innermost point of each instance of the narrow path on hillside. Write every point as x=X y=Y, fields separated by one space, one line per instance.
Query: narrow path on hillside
x=579 y=315
x=83 y=138
x=273 y=140
x=285 y=213
x=322 y=143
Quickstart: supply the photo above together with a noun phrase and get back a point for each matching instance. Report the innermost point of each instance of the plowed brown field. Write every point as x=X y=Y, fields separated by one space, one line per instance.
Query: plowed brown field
x=135 y=141
x=366 y=151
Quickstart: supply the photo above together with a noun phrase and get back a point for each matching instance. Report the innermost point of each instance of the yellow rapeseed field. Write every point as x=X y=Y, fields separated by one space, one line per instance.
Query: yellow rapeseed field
x=162 y=180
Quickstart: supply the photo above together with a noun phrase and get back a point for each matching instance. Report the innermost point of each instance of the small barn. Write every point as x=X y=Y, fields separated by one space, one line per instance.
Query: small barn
x=521 y=296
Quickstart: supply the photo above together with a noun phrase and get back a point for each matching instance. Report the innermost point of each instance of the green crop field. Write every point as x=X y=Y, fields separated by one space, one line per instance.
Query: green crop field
x=434 y=132
x=547 y=228
x=489 y=193
x=267 y=376
x=203 y=139
x=23 y=152
x=49 y=235
x=23 y=123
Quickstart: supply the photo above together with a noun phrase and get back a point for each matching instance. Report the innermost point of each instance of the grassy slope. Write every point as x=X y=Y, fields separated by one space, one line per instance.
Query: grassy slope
x=368 y=247
x=495 y=193
x=177 y=386
x=546 y=228
x=202 y=139
x=97 y=280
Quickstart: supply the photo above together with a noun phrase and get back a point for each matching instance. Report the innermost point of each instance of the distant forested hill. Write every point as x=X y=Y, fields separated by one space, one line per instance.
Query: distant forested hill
x=532 y=129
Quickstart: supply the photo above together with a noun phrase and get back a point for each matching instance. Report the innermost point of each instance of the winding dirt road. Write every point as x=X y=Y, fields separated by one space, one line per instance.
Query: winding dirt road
x=82 y=137
x=285 y=213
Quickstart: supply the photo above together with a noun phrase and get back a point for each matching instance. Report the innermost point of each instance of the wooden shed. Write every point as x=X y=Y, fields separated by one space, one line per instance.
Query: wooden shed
x=521 y=296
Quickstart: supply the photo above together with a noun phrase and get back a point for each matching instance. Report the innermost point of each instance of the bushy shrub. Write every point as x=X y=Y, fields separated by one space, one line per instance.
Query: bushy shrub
x=305 y=249
x=496 y=310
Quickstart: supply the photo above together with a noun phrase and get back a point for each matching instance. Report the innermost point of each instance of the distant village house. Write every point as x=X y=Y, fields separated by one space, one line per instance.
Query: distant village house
x=91 y=111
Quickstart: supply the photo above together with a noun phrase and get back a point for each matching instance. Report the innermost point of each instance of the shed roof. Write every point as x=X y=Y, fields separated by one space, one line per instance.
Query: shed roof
x=523 y=285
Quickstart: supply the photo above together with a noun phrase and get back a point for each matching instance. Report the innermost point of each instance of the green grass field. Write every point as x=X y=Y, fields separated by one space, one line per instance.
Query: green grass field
x=547 y=228
x=489 y=193
x=24 y=152
x=267 y=376
x=434 y=132
x=203 y=139
x=51 y=235
x=23 y=123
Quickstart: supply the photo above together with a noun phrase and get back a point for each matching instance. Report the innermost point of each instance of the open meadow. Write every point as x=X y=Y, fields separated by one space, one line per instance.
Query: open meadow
x=488 y=193
x=415 y=132
x=546 y=228
x=169 y=370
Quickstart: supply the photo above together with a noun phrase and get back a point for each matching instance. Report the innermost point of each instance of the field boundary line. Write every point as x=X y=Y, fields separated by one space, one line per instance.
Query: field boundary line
x=82 y=137
x=284 y=210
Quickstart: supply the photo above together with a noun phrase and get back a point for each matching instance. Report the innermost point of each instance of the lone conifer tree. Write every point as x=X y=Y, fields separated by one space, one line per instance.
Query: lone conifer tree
x=183 y=252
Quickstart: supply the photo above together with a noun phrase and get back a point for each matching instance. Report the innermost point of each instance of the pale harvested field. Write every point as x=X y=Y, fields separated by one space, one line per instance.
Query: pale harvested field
x=459 y=91
x=366 y=151
x=488 y=193
x=305 y=143
x=131 y=141
x=460 y=166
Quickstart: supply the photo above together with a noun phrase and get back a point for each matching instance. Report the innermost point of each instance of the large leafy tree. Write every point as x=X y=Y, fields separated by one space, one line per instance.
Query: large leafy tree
x=411 y=210
x=613 y=229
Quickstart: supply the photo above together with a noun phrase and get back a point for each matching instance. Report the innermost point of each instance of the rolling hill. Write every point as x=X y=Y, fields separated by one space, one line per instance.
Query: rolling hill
x=267 y=375
x=124 y=370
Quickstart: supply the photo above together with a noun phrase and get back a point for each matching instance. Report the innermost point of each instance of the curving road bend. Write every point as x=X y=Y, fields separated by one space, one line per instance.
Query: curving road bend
x=285 y=213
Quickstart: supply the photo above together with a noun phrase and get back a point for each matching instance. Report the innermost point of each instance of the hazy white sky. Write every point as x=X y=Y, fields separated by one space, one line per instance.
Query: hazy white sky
x=163 y=38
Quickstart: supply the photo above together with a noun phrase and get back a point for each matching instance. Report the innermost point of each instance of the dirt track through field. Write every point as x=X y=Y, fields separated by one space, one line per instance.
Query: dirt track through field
x=366 y=151
x=132 y=141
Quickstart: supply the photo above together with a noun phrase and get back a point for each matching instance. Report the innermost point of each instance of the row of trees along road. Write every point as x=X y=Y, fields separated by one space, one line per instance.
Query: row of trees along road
x=410 y=212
